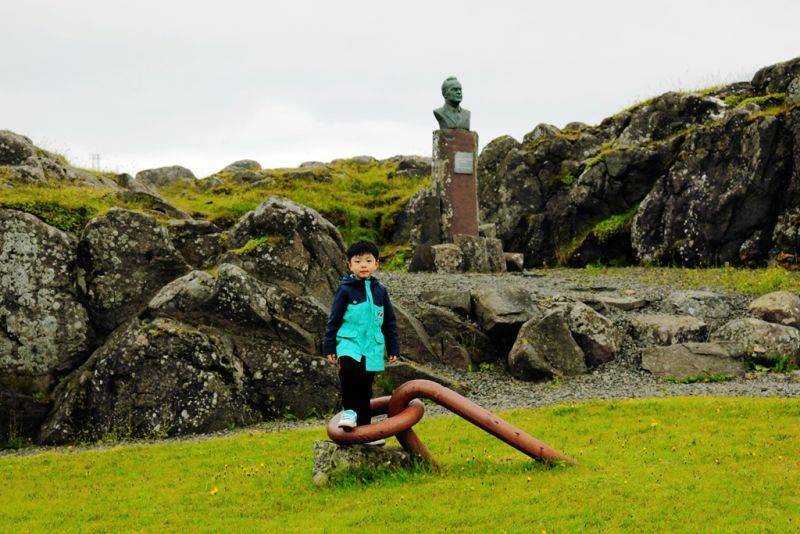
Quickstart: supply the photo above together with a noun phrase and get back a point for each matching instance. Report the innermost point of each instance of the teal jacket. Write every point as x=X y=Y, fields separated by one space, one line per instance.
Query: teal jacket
x=362 y=323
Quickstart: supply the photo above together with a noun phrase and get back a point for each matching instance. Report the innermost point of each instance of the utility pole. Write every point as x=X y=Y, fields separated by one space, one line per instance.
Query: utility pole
x=96 y=162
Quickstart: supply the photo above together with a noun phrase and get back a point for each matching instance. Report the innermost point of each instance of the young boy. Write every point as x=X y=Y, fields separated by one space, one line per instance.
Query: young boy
x=362 y=323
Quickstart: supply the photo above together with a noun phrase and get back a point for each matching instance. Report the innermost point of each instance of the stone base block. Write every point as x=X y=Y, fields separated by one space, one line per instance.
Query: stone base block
x=332 y=460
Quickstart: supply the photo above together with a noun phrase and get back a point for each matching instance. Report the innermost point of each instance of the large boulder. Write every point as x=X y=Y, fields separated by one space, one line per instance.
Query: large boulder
x=239 y=303
x=717 y=201
x=419 y=222
x=694 y=360
x=412 y=165
x=156 y=379
x=125 y=257
x=457 y=341
x=460 y=301
x=166 y=177
x=545 y=348
x=291 y=245
x=503 y=308
x=661 y=329
x=199 y=242
x=780 y=307
x=597 y=336
x=44 y=329
x=243 y=165
x=443 y=258
x=762 y=340
x=415 y=344
x=22 y=161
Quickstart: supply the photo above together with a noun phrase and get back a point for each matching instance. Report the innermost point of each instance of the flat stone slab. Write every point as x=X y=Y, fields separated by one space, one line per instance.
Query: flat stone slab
x=332 y=460
x=599 y=302
x=688 y=360
x=701 y=304
x=668 y=329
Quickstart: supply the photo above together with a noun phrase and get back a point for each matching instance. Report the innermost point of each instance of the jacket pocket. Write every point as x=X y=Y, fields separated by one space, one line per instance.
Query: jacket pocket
x=379 y=338
x=346 y=333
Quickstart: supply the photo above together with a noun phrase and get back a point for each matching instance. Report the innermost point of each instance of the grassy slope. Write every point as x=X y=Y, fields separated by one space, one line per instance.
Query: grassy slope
x=362 y=200
x=686 y=464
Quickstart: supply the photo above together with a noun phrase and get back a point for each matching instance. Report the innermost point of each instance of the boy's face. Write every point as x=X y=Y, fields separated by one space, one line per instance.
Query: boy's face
x=363 y=265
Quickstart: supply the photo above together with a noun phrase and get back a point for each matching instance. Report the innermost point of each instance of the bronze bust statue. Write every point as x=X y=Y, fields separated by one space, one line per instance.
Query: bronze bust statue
x=452 y=115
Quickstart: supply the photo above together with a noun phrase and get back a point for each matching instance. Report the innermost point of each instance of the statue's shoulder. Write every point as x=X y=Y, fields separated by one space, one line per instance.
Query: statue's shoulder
x=439 y=112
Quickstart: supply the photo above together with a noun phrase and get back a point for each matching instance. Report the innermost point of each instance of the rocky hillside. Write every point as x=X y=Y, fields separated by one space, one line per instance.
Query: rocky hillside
x=695 y=178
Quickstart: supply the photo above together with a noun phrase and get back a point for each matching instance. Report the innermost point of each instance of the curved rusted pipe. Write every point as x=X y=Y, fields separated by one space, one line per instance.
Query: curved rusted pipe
x=475 y=414
x=404 y=419
x=405 y=410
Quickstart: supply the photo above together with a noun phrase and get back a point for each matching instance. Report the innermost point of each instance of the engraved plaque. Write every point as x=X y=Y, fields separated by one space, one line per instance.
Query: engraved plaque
x=463 y=162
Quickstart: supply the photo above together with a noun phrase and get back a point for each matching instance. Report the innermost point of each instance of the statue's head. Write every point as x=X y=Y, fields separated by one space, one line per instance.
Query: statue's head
x=451 y=90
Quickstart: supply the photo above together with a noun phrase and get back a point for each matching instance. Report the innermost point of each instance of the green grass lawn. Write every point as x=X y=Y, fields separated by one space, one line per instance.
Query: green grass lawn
x=680 y=464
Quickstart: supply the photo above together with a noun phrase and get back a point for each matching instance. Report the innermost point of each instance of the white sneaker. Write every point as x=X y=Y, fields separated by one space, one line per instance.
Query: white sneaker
x=377 y=443
x=348 y=419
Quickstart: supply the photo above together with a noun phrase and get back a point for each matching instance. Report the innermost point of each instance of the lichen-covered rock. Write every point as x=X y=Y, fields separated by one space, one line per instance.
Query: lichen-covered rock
x=125 y=258
x=291 y=245
x=704 y=305
x=332 y=461
x=21 y=161
x=460 y=301
x=474 y=252
x=457 y=341
x=411 y=165
x=240 y=303
x=152 y=204
x=167 y=176
x=199 y=242
x=661 y=329
x=691 y=360
x=243 y=165
x=443 y=258
x=415 y=344
x=161 y=378
x=545 y=348
x=780 y=307
x=597 y=336
x=723 y=188
x=495 y=308
x=44 y=329
x=418 y=223
x=762 y=340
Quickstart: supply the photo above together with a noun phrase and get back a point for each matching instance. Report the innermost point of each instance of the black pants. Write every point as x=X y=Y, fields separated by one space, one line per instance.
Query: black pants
x=356 y=384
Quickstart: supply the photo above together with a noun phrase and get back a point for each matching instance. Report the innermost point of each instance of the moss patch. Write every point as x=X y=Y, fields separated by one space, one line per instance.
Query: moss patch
x=256 y=243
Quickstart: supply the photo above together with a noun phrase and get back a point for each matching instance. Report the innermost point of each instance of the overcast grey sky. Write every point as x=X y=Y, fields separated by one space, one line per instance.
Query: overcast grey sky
x=201 y=84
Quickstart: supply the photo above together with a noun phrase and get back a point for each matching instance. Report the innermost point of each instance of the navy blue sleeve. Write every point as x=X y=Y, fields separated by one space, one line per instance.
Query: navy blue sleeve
x=338 y=307
x=389 y=327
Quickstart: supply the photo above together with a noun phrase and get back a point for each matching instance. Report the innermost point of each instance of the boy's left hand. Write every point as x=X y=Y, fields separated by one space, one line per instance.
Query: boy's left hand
x=392 y=359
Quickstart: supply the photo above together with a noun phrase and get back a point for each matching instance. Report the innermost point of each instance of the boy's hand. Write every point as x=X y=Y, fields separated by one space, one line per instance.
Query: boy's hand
x=332 y=359
x=392 y=359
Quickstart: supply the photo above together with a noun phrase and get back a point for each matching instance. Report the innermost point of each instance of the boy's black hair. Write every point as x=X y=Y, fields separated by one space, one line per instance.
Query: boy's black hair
x=362 y=247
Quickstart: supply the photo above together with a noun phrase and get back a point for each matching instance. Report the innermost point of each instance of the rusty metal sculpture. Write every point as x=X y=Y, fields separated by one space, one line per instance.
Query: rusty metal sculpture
x=405 y=410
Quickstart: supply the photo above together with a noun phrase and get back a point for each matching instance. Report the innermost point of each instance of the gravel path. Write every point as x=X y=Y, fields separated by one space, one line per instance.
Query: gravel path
x=495 y=390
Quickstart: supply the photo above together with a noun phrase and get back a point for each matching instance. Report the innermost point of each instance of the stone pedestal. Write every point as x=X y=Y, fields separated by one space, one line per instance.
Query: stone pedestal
x=454 y=176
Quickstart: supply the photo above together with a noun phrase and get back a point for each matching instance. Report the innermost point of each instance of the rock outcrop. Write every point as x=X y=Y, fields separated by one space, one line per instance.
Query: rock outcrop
x=697 y=178
x=290 y=244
